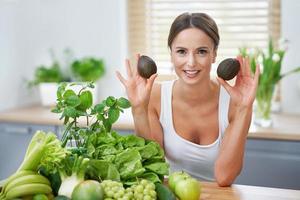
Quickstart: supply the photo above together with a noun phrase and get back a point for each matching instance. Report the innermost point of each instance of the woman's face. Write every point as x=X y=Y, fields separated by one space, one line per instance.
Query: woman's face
x=192 y=53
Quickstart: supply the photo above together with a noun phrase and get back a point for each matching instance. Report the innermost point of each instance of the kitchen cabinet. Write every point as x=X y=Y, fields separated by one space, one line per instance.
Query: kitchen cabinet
x=271 y=163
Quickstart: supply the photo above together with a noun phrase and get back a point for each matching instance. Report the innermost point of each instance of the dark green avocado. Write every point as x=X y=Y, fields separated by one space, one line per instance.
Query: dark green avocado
x=146 y=67
x=228 y=68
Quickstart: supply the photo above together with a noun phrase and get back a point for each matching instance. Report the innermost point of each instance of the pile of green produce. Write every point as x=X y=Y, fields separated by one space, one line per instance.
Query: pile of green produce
x=90 y=161
x=93 y=162
x=43 y=150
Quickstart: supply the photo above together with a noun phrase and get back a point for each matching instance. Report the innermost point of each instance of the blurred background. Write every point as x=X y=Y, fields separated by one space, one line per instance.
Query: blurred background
x=117 y=29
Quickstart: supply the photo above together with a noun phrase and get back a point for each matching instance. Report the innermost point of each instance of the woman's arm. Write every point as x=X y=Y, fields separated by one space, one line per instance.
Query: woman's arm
x=140 y=95
x=230 y=159
x=146 y=120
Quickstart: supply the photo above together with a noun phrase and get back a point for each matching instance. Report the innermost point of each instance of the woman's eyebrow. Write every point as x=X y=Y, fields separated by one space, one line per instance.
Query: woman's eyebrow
x=204 y=47
x=180 y=47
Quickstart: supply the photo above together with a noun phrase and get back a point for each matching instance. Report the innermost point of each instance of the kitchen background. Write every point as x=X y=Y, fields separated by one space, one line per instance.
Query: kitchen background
x=95 y=28
x=28 y=28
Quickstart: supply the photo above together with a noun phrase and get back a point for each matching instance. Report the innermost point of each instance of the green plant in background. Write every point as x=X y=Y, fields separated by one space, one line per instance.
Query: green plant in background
x=84 y=70
x=88 y=69
x=271 y=63
x=48 y=74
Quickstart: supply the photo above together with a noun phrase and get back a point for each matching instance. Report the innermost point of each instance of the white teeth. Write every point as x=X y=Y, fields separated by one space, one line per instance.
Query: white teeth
x=191 y=71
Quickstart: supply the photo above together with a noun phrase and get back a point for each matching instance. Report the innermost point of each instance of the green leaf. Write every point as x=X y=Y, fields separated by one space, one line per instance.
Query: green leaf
x=113 y=115
x=56 y=110
x=148 y=151
x=123 y=102
x=110 y=101
x=100 y=117
x=60 y=90
x=129 y=163
x=133 y=141
x=86 y=100
x=107 y=125
x=151 y=177
x=70 y=112
x=99 y=108
x=73 y=101
x=69 y=93
x=161 y=168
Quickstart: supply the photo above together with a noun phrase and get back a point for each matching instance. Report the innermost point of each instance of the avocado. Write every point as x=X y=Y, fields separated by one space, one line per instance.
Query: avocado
x=228 y=68
x=146 y=66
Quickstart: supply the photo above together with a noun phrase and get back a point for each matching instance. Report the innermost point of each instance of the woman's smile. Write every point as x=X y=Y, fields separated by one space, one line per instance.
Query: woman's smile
x=191 y=73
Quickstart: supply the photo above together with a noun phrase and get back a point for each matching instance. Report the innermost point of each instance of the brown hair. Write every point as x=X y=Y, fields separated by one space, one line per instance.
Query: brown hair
x=201 y=21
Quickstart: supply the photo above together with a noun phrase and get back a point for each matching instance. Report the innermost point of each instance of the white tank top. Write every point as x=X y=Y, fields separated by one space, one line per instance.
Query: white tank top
x=197 y=160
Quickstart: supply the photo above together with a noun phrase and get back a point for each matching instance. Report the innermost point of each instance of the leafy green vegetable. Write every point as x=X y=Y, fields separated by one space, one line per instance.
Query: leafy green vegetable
x=111 y=155
x=44 y=150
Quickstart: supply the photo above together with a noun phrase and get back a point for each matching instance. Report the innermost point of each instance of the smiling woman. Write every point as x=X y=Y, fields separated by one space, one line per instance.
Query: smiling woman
x=201 y=123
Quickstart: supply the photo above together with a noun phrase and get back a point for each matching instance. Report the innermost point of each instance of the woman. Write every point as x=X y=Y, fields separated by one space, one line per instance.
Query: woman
x=201 y=123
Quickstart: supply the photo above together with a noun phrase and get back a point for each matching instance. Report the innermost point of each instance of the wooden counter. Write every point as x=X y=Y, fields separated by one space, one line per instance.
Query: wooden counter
x=211 y=191
x=285 y=126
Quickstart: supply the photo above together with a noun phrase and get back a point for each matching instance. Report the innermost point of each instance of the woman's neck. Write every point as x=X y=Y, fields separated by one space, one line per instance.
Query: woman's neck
x=193 y=94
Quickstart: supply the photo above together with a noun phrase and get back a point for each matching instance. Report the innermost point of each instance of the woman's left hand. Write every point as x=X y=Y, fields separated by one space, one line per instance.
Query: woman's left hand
x=243 y=92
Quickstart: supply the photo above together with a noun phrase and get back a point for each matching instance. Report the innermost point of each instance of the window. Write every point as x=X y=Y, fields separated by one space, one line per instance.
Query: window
x=241 y=23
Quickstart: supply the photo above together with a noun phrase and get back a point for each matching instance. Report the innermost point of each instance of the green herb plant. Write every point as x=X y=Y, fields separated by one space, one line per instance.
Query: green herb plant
x=72 y=106
x=47 y=74
x=112 y=156
x=88 y=69
x=271 y=63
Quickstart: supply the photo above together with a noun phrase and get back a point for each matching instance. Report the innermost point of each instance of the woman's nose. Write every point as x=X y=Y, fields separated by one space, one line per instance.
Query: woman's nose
x=191 y=60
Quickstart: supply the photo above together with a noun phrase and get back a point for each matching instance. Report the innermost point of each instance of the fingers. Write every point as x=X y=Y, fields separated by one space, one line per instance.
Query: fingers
x=150 y=81
x=134 y=69
x=226 y=85
x=121 y=78
x=128 y=68
x=245 y=65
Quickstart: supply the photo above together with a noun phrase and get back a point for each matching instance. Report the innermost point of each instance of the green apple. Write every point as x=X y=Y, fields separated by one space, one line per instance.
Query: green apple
x=188 y=189
x=175 y=177
x=88 y=190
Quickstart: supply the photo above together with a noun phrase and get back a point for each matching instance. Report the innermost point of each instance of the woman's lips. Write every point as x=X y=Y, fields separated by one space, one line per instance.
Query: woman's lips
x=191 y=73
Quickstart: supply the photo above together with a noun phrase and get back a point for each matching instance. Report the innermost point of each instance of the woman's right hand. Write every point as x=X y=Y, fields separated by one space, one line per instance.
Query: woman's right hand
x=138 y=88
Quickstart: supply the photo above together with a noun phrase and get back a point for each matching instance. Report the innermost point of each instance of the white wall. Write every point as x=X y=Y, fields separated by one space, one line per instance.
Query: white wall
x=291 y=31
x=29 y=28
x=93 y=27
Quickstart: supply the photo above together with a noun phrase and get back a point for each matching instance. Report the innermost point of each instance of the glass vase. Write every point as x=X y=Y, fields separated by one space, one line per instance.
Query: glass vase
x=263 y=106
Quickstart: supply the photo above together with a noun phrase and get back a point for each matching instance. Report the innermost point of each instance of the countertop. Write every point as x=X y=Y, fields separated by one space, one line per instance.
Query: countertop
x=285 y=126
x=211 y=191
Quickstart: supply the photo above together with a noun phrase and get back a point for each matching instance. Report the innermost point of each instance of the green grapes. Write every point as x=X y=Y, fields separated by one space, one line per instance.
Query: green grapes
x=114 y=190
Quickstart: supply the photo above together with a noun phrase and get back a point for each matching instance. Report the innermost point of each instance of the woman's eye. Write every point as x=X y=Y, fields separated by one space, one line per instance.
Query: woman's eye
x=181 y=51
x=202 y=51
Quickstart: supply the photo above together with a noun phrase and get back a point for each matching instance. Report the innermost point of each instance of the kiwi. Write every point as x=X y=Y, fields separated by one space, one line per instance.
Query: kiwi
x=146 y=66
x=228 y=68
